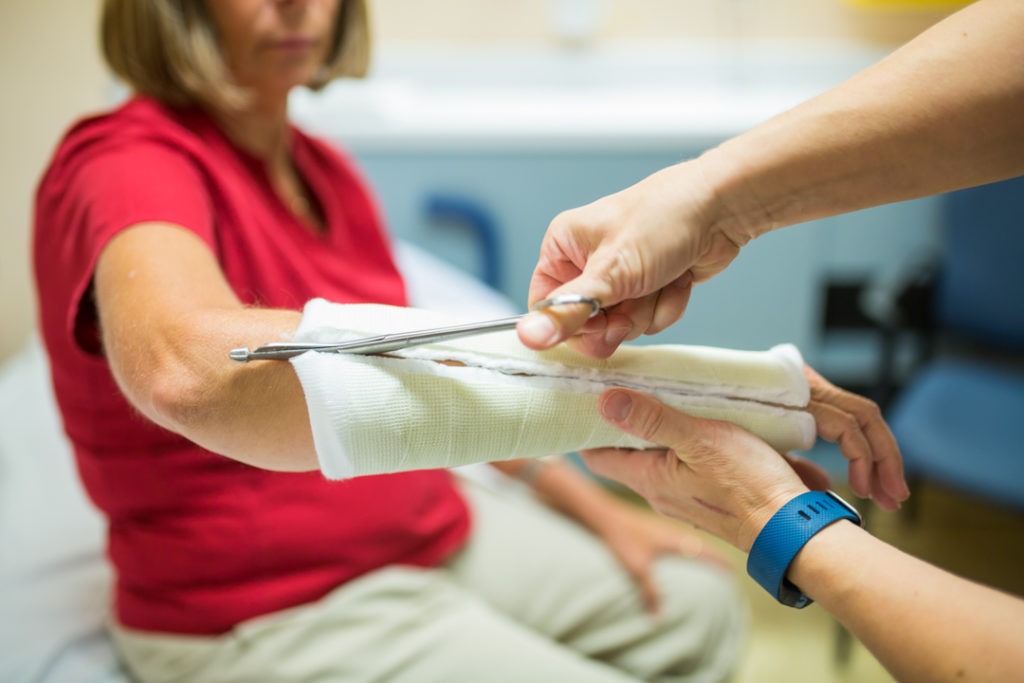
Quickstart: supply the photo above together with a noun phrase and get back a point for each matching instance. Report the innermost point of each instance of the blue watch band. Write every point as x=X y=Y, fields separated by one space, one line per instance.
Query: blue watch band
x=786 y=533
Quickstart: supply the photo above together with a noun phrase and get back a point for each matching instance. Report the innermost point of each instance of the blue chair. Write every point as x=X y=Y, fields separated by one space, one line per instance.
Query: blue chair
x=959 y=419
x=959 y=415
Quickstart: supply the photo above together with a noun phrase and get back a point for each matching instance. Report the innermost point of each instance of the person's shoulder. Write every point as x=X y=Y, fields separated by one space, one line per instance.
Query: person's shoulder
x=137 y=127
x=138 y=119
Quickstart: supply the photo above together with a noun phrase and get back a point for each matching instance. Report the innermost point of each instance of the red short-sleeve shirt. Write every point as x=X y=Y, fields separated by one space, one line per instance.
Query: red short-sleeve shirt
x=200 y=542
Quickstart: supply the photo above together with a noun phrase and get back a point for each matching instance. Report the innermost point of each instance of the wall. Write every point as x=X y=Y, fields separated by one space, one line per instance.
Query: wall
x=488 y=21
x=51 y=73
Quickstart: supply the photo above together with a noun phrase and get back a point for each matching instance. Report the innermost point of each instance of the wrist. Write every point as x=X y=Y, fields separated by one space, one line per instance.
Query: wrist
x=529 y=472
x=563 y=487
x=756 y=521
x=736 y=211
x=785 y=535
x=814 y=568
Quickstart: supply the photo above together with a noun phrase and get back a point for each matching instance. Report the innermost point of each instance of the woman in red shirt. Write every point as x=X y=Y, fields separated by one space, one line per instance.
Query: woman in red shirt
x=195 y=219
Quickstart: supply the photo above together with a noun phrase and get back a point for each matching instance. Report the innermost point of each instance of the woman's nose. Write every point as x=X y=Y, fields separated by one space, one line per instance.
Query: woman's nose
x=291 y=5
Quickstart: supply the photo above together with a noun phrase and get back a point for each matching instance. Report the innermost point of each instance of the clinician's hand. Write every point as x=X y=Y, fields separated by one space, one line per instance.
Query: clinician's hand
x=638 y=252
x=715 y=471
x=713 y=474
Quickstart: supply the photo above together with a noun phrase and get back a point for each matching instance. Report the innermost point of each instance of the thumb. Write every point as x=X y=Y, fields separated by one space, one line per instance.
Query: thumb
x=644 y=417
x=544 y=329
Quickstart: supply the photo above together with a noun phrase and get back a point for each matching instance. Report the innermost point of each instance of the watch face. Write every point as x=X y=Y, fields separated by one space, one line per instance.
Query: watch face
x=846 y=505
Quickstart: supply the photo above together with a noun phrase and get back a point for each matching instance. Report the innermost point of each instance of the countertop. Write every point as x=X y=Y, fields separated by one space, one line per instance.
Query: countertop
x=638 y=97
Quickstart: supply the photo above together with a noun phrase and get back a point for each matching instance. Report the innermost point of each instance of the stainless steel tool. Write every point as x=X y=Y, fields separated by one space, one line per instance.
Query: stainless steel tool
x=400 y=340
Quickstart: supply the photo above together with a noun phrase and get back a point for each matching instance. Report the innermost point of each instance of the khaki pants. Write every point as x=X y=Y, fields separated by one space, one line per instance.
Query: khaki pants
x=532 y=597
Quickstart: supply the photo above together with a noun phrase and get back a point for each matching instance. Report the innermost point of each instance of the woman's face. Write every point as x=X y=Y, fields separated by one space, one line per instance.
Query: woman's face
x=271 y=46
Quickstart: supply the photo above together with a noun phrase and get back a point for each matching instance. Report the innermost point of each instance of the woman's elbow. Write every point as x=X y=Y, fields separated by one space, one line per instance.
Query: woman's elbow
x=176 y=400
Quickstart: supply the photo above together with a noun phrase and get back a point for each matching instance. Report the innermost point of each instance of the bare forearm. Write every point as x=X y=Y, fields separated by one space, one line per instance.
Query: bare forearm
x=941 y=113
x=254 y=412
x=922 y=623
x=169 y=320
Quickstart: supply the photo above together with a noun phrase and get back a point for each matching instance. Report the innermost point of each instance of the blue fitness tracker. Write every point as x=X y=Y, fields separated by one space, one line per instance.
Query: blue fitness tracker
x=786 y=533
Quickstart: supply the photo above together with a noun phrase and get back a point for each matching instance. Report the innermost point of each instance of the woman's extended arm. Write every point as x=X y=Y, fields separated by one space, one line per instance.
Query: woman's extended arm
x=168 y=320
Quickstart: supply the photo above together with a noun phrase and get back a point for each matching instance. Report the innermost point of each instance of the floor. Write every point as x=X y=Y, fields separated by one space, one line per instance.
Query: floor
x=962 y=535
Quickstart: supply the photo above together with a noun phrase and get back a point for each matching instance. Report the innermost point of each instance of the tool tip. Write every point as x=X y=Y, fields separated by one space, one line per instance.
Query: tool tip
x=240 y=354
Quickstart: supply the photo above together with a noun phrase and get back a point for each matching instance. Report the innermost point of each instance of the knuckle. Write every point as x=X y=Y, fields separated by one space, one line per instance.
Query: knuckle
x=708 y=442
x=849 y=424
x=870 y=411
x=563 y=218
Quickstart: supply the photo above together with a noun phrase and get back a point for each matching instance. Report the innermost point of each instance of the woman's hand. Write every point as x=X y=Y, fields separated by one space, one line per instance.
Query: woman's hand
x=637 y=537
x=856 y=424
x=638 y=252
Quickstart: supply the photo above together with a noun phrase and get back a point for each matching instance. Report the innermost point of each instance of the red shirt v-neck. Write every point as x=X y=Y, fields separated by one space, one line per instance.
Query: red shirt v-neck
x=200 y=542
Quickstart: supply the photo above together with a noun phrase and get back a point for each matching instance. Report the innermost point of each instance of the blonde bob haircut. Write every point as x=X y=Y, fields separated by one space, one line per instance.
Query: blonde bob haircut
x=168 y=50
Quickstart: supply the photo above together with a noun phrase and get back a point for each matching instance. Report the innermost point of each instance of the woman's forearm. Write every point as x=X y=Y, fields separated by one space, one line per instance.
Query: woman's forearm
x=252 y=412
x=942 y=112
x=922 y=623
x=168 y=320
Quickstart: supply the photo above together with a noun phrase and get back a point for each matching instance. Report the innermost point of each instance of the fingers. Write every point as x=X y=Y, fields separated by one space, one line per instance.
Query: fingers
x=546 y=328
x=672 y=303
x=636 y=315
x=840 y=427
x=628 y=320
x=635 y=469
x=566 y=269
x=856 y=423
x=644 y=417
x=691 y=441
x=599 y=337
x=644 y=579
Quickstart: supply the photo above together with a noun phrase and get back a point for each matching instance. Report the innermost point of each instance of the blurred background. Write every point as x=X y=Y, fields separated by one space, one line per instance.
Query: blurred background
x=482 y=119
x=616 y=87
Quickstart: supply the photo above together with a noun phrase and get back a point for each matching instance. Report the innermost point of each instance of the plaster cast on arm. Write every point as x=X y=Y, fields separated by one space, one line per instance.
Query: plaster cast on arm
x=407 y=411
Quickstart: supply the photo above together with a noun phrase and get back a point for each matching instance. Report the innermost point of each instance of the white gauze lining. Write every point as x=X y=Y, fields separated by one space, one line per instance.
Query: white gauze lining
x=373 y=414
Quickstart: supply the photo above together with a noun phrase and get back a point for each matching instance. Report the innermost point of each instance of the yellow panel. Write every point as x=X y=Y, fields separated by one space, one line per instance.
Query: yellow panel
x=910 y=4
